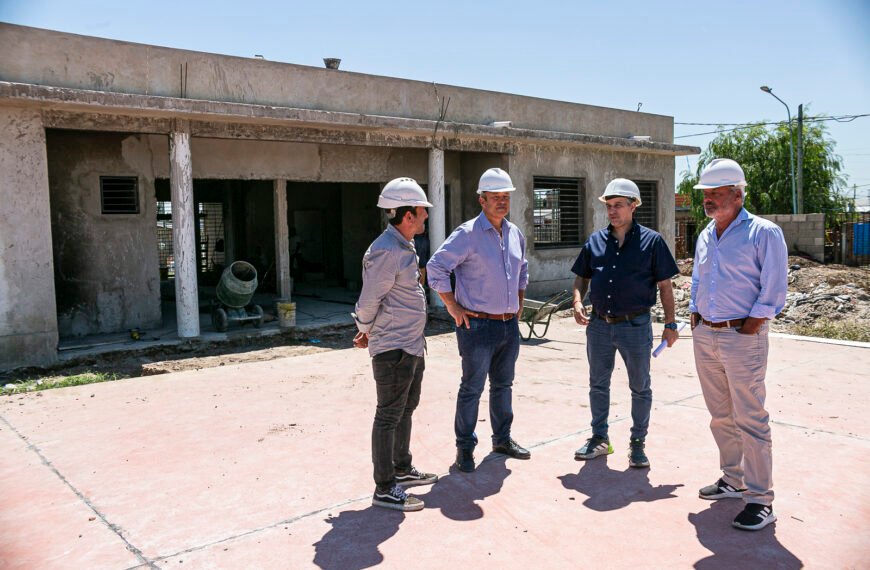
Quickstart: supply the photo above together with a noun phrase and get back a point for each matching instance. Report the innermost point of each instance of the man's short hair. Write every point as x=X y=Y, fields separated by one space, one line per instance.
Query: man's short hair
x=400 y=214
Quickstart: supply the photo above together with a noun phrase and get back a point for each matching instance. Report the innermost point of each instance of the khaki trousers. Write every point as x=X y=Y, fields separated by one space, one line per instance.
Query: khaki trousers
x=731 y=367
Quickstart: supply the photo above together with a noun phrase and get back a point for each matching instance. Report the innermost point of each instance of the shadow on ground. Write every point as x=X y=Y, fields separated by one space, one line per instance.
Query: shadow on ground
x=352 y=543
x=354 y=539
x=732 y=548
x=609 y=490
x=456 y=494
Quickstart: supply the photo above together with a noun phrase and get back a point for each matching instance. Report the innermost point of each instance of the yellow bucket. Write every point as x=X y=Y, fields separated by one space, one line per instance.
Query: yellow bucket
x=286 y=314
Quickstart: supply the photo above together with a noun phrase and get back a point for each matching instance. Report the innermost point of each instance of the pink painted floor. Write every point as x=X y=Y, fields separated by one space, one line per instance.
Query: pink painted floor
x=267 y=465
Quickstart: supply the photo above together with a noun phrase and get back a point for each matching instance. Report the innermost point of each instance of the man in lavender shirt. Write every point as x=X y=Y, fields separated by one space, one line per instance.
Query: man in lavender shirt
x=487 y=256
x=739 y=282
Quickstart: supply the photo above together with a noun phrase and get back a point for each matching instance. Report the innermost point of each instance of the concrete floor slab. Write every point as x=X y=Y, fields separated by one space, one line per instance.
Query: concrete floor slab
x=268 y=465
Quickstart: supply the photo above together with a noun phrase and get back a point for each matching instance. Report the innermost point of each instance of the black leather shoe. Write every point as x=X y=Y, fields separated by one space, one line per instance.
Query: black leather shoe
x=512 y=449
x=465 y=460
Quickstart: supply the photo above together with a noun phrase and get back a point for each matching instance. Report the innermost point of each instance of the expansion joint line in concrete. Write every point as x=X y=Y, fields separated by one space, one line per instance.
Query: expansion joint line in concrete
x=289 y=521
x=112 y=527
x=337 y=506
x=778 y=423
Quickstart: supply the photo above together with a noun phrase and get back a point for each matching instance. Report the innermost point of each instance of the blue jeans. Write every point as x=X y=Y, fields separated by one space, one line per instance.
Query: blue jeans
x=633 y=340
x=491 y=348
x=398 y=378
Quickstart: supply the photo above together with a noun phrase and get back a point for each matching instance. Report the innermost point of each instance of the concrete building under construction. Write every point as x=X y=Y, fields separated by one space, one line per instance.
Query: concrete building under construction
x=131 y=175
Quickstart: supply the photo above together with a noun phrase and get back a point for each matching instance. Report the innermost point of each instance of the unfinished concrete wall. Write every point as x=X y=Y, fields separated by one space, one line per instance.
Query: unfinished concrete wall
x=45 y=57
x=804 y=233
x=28 y=321
x=228 y=159
x=105 y=266
x=550 y=269
x=453 y=191
x=472 y=165
x=361 y=223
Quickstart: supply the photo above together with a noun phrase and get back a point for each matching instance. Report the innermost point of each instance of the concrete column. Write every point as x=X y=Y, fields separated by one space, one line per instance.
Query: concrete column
x=282 y=239
x=28 y=311
x=437 y=212
x=183 y=231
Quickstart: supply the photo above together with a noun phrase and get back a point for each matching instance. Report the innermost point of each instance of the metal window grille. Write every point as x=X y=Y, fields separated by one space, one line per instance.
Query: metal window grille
x=209 y=235
x=210 y=230
x=558 y=214
x=166 y=260
x=119 y=194
x=645 y=214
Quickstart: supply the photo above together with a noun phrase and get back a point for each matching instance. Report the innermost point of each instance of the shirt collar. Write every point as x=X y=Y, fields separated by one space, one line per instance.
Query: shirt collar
x=484 y=223
x=634 y=229
x=391 y=229
x=742 y=216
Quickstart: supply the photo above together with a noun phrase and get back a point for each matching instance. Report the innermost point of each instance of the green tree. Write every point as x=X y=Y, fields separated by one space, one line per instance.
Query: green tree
x=764 y=155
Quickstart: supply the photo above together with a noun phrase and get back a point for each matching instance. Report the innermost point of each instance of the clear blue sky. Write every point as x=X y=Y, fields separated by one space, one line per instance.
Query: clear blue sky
x=696 y=61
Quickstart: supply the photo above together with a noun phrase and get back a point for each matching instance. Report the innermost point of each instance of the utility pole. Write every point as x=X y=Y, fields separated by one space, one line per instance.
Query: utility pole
x=800 y=159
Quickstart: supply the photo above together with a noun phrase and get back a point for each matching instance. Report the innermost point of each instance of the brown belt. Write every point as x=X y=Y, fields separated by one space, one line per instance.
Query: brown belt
x=621 y=318
x=496 y=317
x=734 y=323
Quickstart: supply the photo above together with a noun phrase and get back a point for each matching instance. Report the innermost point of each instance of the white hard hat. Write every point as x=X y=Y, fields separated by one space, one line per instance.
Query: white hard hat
x=495 y=180
x=621 y=187
x=721 y=172
x=402 y=192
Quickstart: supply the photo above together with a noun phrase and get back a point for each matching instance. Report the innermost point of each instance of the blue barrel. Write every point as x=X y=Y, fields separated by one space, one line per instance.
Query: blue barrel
x=237 y=285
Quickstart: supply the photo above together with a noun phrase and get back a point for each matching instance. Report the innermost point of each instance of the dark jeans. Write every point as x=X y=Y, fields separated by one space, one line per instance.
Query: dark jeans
x=491 y=348
x=398 y=376
x=633 y=340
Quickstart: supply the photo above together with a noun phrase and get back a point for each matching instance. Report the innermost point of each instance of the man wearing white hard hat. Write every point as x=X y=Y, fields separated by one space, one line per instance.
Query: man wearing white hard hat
x=487 y=255
x=622 y=266
x=391 y=315
x=739 y=282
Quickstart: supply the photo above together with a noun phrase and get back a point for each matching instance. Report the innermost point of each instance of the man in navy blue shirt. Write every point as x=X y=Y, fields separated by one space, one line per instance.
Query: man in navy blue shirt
x=624 y=264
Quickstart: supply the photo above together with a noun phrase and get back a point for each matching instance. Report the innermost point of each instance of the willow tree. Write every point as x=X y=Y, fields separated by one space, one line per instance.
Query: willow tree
x=764 y=155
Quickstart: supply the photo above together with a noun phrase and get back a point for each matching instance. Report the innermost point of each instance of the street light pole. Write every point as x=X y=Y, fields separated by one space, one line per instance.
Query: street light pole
x=769 y=91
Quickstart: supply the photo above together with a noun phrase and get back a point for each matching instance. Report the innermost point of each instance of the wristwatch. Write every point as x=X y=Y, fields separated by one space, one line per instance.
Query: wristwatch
x=672 y=326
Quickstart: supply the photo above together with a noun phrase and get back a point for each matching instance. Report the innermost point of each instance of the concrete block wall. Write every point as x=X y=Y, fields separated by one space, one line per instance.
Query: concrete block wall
x=804 y=233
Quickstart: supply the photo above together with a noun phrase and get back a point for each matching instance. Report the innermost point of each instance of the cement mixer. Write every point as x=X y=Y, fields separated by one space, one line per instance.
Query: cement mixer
x=234 y=291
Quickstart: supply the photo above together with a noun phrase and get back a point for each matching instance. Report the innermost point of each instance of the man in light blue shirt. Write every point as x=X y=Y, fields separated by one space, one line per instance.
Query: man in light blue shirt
x=739 y=282
x=487 y=256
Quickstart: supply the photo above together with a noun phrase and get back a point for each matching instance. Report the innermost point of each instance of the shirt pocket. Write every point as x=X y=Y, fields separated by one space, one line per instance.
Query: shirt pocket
x=408 y=274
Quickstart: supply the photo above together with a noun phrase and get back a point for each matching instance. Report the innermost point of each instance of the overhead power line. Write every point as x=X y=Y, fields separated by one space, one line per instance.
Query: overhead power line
x=748 y=124
x=740 y=126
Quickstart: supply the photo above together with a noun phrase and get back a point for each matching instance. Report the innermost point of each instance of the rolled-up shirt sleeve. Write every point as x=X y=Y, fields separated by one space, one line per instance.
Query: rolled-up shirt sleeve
x=524 y=267
x=772 y=256
x=451 y=253
x=664 y=264
x=379 y=275
x=693 y=308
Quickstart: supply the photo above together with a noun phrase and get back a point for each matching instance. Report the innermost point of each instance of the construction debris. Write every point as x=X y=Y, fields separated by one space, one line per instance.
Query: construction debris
x=816 y=292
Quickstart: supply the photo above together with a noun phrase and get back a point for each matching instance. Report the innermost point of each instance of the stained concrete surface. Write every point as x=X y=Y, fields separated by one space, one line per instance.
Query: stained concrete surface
x=267 y=465
x=316 y=311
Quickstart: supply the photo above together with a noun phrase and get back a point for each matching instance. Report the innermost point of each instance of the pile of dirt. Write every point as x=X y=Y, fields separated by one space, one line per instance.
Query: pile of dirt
x=816 y=292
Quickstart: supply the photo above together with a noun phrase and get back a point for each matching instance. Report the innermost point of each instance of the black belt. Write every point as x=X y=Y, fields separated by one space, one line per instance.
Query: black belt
x=620 y=318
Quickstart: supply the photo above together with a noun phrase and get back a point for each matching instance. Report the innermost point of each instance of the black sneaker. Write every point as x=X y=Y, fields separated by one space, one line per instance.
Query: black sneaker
x=412 y=477
x=594 y=446
x=720 y=490
x=754 y=516
x=465 y=460
x=397 y=499
x=636 y=456
x=512 y=449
